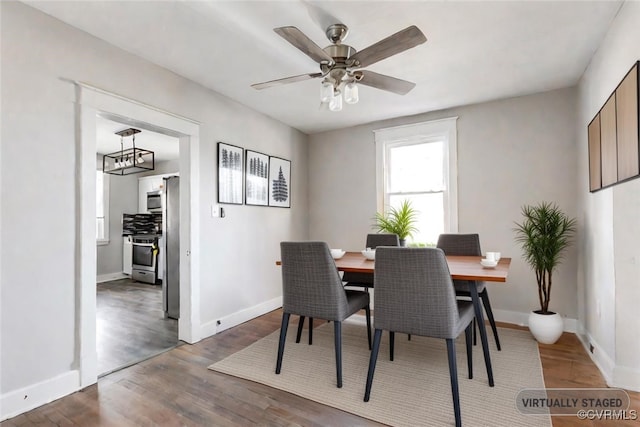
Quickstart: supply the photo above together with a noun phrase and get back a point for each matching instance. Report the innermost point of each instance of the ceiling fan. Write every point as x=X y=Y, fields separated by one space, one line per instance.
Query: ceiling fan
x=340 y=64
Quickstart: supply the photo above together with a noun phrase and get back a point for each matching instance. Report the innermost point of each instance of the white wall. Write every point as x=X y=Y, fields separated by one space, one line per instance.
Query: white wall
x=167 y=166
x=39 y=323
x=609 y=276
x=510 y=153
x=123 y=198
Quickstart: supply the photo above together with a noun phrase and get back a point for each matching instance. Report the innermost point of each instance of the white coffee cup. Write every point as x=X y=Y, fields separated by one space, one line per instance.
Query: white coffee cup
x=493 y=256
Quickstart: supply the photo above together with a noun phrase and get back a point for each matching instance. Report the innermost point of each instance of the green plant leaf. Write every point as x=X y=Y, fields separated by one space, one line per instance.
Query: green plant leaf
x=544 y=234
x=400 y=221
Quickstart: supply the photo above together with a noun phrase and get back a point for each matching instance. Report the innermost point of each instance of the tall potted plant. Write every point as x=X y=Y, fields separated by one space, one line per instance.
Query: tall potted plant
x=544 y=234
x=400 y=221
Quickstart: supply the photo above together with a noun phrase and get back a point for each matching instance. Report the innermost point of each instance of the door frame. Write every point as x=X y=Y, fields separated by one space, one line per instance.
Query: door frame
x=92 y=102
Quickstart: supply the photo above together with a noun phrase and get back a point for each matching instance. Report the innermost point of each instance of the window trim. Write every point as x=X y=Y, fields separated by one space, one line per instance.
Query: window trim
x=442 y=129
x=105 y=205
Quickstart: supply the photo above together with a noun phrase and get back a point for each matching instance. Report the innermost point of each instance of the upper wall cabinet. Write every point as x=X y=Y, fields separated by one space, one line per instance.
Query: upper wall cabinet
x=613 y=133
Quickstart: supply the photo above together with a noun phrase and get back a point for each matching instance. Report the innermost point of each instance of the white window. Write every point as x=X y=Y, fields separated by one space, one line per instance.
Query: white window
x=102 y=208
x=418 y=163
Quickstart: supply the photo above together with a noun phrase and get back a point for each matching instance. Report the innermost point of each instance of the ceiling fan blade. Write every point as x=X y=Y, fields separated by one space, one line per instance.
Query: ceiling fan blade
x=388 y=83
x=286 y=80
x=304 y=43
x=392 y=45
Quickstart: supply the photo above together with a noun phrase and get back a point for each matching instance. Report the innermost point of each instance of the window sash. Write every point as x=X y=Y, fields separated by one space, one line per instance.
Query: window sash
x=421 y=180
x=438 y=130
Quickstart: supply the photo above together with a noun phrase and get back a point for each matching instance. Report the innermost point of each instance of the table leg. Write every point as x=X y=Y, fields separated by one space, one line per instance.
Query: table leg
x=475 y=298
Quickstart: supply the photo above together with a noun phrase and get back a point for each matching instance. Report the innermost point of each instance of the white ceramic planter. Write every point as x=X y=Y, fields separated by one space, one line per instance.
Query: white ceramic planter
x=546 y=328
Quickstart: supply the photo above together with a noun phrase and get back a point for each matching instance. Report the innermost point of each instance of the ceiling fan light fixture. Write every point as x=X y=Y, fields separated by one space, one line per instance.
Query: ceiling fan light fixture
x=326 y=91
x=324 y=106
x=336 y=102
x=351 y=93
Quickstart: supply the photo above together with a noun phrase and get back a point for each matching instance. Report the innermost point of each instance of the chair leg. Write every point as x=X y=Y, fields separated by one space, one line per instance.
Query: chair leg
x=283 y=337
x=408 y=337
x=453 y=374
x=392 y=339
x=300 y=326
x=373 y=358
x=487 y=308
x=337 y=333
x=483 y=332
x=475 y=332
x=310 y=330
x=367 y=310
x=467 y=340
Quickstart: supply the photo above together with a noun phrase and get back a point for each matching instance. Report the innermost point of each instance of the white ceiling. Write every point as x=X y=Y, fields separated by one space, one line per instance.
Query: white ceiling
x=476 y=51
x=165 y=147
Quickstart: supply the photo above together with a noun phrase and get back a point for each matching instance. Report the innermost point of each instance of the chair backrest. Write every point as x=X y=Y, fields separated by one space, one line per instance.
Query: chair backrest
x=382 y=239
x=414 y=292
x=311 y=285
x=373 y=241
x=460 y=244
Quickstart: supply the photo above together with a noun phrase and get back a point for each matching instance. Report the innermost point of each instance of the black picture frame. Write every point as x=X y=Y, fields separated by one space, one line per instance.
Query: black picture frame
x=279 y=182
x=256 y=176
x=230 y=174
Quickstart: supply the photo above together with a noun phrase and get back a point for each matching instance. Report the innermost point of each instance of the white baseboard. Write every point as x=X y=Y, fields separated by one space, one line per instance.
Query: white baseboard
x=513 y=317
x=19 y=401
x=111 y=276
x=614 y=375
x=234 y=319
x=626 y=378
x=599 y=356
x=522 y=319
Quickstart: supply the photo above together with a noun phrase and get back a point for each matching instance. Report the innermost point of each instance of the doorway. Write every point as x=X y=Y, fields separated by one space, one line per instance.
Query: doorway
x=132 y=324
x=91 y=103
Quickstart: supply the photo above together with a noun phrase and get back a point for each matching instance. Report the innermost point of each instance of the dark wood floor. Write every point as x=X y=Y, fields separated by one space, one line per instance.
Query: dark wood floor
x=176 y=388
x=131 y=326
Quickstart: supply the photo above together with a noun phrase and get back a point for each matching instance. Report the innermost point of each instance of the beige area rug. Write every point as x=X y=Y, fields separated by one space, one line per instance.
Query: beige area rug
x=413 y=390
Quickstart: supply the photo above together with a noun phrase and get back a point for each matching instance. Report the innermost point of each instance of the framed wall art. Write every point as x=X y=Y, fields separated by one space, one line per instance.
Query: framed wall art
x=256 y=178
x=279 y=182
x=613 y=135
x=230 y=174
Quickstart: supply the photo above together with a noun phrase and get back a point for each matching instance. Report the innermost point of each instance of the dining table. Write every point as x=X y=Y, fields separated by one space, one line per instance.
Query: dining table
x=466 y=268
x=460 y=267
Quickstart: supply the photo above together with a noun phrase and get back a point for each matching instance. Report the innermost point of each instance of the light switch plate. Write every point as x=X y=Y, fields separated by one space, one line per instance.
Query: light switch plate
x=215 y=211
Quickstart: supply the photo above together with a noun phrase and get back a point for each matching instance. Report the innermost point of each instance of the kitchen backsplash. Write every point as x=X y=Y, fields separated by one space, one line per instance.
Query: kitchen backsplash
x=136 y=224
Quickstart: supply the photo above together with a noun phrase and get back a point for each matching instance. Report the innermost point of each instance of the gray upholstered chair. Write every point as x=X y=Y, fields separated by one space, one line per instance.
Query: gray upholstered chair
x=365 y=280
x=469 y=244
x=352 y=279
x=414 y=295
x=311 y=287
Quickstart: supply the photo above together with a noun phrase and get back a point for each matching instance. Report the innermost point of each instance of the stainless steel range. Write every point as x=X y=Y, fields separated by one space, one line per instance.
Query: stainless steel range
x=145 y=258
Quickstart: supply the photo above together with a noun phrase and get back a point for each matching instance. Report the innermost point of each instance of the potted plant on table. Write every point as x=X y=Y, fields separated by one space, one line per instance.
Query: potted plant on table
x=544 y=234
x=400 y=221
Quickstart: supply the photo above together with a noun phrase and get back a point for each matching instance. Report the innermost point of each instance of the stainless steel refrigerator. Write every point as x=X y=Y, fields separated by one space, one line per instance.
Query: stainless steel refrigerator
x=171 y=224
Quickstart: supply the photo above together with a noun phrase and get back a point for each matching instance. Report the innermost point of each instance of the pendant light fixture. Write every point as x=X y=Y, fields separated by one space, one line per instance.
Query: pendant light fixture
x=128 y=161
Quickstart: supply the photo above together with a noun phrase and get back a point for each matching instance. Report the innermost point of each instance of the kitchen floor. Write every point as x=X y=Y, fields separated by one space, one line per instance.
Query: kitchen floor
x=131 y=326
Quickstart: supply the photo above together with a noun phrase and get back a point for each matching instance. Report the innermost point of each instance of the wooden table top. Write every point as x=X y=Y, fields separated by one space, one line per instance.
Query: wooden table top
x=461 y=267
